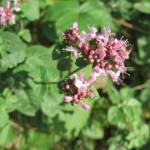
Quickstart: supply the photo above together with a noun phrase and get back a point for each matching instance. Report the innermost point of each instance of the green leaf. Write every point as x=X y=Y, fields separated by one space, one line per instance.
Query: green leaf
x=75 y=121
x=44 y=3
x=123 y=8
x=132 y=110
x=29 y=99
x=26 y=35
x=145 y=95
x=63 y=8
x=117 y=141
x=92 y=13
x=6 y=135
x=31 y=10
x=66 y=15
x=138 y=136
x=44 y=139
x=94 y=130
x=116 y=116
x=77 y=117
x=13 y=51
x=12 y=42
x=143 y=46
x=11 y=60
x=4 y=118
x=40 y=64
x=10 y=100
x=126 y=93
x=65 y=22
x=143 y=6
x=52 y=99
x=87 y=70
x=113 y=94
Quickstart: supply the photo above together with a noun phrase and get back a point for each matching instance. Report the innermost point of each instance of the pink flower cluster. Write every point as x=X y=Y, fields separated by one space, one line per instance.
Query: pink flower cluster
x=77 y=88
x=7 y=13
x=104 y=51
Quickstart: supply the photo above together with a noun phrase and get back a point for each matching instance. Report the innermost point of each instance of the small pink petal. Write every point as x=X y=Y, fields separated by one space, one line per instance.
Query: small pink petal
x=114 y=75
x=92 y=78
x=75 y=25
x=85 y=106
x=96 y=69
x=16 y=9
x=93 y=32
x=68 y=98
x=102 y=54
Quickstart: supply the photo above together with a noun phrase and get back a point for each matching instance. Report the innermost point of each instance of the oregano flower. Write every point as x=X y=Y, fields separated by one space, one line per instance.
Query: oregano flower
x=7 y=13
x=104 y=51
x=76 y=90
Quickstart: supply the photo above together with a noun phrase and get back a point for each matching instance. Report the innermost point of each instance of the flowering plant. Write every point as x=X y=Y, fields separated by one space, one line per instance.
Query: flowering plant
x=7 y=13
x=63 y=86
x=104 y=51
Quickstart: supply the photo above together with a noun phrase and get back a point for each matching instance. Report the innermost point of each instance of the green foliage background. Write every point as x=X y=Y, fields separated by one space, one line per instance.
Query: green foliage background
x=33 y=115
